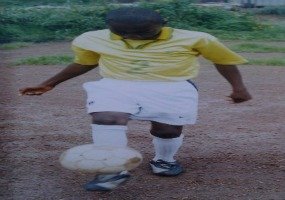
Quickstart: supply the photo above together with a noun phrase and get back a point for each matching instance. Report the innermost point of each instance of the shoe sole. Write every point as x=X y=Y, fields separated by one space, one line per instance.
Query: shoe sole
x=97 y=187
x=165 y=173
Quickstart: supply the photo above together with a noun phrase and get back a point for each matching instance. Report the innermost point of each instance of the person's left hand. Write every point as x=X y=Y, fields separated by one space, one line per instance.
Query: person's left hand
x=239 y=96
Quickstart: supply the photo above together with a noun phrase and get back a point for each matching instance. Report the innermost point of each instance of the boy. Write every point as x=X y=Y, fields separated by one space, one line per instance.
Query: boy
x=146 y=69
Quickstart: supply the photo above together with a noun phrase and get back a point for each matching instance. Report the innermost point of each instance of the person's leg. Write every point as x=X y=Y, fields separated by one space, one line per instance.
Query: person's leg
x=109 y=129
x=167 y=140
x=110 y=118
x=170 y=106
x=110 y=104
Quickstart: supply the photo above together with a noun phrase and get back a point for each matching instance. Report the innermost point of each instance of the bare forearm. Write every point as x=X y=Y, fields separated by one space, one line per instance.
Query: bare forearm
x=69 y=72
x=232 y=75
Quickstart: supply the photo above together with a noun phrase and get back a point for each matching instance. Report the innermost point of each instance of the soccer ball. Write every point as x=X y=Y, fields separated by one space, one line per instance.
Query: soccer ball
x=100 y=159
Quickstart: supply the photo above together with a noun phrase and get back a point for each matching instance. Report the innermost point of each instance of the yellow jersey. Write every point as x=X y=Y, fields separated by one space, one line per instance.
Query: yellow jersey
x=170 y=57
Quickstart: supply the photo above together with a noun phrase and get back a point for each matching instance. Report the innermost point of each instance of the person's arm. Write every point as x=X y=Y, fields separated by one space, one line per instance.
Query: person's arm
x=69 y=72
x=233 y=76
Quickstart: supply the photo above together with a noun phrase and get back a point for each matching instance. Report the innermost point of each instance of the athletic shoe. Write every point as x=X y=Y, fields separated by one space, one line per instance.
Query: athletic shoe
x=107 y=182
x=163 y=168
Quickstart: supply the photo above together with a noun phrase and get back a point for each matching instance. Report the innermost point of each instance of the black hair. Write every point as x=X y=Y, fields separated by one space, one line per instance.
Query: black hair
x=133 y=15
x=133 y=20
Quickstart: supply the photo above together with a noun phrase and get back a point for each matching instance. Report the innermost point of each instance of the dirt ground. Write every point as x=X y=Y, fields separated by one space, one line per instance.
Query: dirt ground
x=235 y=151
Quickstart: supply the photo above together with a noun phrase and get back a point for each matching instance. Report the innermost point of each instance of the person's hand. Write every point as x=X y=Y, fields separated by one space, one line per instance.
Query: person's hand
x=239 y=96
x=38 y=90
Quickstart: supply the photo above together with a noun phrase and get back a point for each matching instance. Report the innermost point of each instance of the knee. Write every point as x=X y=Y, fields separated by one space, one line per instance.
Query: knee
x=110 y=118
x=165 y=130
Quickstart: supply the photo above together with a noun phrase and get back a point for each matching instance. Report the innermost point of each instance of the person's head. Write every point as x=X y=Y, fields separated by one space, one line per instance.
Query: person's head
x=135 y=23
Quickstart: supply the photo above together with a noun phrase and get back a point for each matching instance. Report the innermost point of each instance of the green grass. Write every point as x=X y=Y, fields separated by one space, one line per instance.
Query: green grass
x=268 y=61
x=14 y=45
x=20 y=23
x=45 y=60
x=257 y=48
x=271 y=33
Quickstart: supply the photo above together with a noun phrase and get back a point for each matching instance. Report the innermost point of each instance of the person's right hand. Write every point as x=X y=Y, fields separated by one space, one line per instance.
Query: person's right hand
x=38 y=90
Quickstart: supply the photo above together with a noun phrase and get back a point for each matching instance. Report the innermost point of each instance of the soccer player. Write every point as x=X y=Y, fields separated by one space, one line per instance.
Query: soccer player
x=147 y=70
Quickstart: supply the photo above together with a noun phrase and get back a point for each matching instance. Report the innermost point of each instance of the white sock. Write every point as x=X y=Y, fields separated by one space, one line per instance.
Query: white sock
x=109 y=135
x=165 y=149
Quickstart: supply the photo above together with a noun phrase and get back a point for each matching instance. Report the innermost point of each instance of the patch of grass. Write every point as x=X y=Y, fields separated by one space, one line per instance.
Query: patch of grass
x=270 y=10
x=14 y=45
x=268 y=61
x=271 y=33
x=257 y=48
x=45 y=60
x=53 y=23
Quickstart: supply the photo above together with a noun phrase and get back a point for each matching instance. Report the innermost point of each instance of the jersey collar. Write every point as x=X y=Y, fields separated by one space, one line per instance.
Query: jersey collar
x=166 y=33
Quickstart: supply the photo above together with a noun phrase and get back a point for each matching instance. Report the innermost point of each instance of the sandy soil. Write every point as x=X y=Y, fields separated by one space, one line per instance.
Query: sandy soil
x=235 y=151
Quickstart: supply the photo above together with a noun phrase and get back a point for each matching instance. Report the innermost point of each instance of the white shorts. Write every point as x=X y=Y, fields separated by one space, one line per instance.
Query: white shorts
x=173 y=103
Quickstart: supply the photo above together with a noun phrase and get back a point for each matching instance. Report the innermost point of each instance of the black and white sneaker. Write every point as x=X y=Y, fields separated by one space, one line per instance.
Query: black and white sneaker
x=163 y=168
x=107 y=182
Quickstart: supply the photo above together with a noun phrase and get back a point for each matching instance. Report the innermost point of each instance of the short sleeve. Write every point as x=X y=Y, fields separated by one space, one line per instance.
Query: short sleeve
x=213 y=50
x=85 y=57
